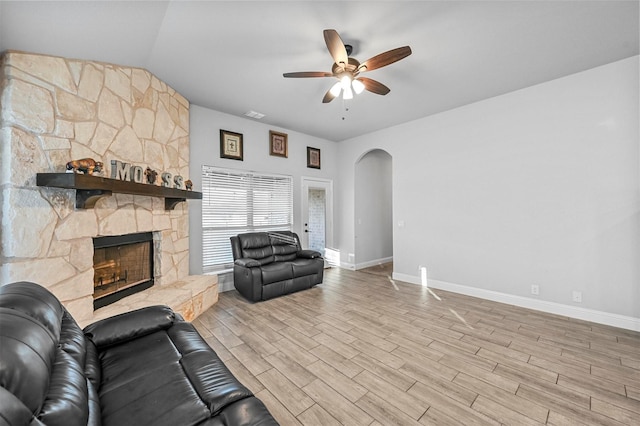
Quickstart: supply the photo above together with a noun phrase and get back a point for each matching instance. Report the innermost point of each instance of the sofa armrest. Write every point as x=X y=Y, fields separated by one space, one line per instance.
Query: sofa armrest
x=309 y=254
x=247 y=262
x=247 y=278
x=130 y=325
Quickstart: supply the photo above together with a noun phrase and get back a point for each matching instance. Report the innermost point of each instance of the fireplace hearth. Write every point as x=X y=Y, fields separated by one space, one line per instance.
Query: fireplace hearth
x=123 y=265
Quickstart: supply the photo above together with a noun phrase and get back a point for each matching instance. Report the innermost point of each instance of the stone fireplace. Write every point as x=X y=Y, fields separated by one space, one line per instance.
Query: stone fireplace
x=54 y=110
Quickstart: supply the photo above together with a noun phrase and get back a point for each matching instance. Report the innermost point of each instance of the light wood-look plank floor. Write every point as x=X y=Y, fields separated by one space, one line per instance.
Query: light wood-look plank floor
x=357 y=351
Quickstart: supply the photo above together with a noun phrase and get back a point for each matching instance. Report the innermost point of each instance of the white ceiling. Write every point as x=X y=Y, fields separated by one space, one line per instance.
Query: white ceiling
x=230 y=55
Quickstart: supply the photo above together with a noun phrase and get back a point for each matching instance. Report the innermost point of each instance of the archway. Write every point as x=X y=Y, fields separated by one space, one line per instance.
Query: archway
x=373 y=209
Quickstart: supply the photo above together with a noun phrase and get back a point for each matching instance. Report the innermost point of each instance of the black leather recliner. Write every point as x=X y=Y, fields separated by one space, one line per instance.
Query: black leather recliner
x=271 y=264
x=145 y=367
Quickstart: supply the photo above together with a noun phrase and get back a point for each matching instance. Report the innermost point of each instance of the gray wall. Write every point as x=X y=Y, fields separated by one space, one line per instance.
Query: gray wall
x=538 y=186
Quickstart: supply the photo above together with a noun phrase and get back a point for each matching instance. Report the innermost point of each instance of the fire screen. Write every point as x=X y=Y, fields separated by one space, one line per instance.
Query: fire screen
x=122 y=265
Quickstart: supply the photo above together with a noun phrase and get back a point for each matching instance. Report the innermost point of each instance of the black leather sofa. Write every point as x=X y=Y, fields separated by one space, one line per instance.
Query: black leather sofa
x=271 y=264
x=145 y=367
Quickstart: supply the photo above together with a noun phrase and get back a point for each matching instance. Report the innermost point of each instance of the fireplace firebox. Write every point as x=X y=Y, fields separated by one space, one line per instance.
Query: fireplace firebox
x=123 y=265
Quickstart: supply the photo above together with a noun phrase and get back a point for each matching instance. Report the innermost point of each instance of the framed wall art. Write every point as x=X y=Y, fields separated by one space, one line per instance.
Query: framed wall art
x=313 y=158
x=278 y=144
x=231 y=145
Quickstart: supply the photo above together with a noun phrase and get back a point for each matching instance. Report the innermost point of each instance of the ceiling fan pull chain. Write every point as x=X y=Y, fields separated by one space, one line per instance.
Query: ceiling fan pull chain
x=346 y=108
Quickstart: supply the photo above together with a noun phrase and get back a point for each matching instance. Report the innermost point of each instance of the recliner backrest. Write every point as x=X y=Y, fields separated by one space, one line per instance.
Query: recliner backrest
x=43 y=357
x=257 y=246
x=285 y=245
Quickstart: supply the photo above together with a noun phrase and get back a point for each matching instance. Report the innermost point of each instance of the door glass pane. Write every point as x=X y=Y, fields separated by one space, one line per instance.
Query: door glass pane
x=317 y=226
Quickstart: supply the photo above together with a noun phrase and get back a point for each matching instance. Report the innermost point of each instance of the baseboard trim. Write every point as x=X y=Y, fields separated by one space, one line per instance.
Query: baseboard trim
x=600 y=317
x=345 y=265
x=406 y=278
x=226 y=287
x=375 y=262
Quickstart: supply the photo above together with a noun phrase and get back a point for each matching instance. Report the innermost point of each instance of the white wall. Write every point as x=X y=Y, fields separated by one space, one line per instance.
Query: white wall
x=538 y=186
x=373 y=209
x=205 y=125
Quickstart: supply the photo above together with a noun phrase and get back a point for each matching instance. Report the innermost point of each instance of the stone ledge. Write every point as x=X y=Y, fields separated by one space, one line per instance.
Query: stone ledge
x=189 y=297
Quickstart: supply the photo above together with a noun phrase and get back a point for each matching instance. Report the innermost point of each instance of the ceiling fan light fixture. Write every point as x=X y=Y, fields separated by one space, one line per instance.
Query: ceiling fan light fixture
x=358 y=86
x=336 y=88
x=347 y=94
x=346 y=82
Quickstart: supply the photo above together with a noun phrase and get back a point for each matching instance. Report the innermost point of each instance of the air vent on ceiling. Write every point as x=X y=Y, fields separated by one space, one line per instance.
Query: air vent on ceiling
x=253 y=114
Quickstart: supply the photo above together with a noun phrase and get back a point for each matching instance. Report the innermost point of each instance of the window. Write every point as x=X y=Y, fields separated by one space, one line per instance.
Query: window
x=234 y=202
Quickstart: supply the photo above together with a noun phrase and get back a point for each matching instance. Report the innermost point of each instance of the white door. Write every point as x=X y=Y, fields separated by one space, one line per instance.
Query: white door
x=317 y=214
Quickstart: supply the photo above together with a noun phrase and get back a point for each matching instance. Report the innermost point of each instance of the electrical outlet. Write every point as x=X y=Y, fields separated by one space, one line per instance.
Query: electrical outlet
x=535 y=289
x=577 y=296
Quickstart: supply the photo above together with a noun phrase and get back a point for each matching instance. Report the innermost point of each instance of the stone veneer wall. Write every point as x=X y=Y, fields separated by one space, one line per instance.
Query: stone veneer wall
x=55 y=109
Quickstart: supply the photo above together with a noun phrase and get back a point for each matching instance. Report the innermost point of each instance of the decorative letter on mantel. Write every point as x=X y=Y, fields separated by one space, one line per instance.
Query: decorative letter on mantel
x=120 y=170
x=125 y=171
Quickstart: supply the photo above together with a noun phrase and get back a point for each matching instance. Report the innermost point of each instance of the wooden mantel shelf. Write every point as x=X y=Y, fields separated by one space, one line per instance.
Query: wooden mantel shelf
x=89 y=189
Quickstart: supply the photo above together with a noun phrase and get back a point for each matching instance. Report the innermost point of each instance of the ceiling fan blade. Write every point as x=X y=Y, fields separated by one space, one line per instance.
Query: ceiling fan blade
x=374 y=86
x=336 y=47
x=385 y=59
x=307 y=74
x=328 y=97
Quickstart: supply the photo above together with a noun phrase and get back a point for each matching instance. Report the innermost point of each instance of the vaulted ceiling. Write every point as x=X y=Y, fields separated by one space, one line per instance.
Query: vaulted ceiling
x=230 y=55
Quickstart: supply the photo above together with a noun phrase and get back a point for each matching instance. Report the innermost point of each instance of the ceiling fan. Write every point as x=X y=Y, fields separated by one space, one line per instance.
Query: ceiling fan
x=347 y=69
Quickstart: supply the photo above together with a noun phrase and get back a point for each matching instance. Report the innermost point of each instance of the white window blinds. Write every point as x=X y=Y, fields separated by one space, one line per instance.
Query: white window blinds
x=234 y=202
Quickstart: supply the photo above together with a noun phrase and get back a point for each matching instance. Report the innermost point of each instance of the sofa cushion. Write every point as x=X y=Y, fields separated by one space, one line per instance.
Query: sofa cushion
x=132 y=361
x=162 y=397
x=256 y=245
x=176 y=379
x=143 y=383
x=276 y=271
x=212 y=380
